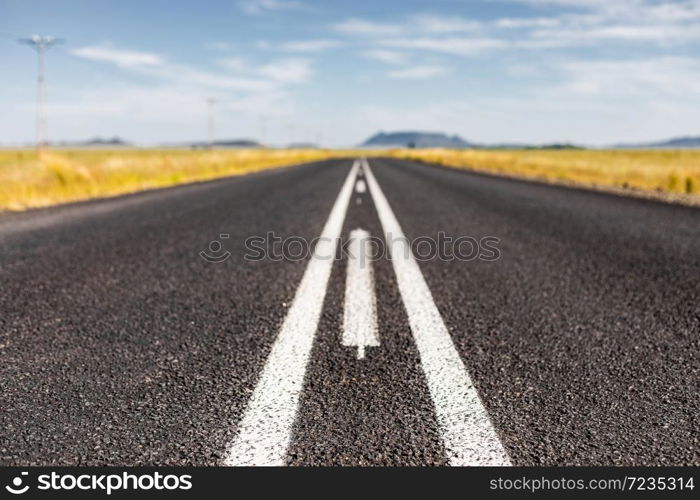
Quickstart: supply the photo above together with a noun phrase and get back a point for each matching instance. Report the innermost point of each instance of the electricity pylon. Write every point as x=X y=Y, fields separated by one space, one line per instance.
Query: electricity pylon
x=41 y=44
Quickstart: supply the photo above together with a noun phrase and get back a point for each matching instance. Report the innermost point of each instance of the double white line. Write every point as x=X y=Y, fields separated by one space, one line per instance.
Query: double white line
x=360 y=315
x=265 y=431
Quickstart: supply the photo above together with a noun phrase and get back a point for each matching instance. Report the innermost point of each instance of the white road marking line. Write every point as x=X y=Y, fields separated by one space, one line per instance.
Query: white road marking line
x=265 y=430
x=468 y=435
x=360 y=186
x=360 y=314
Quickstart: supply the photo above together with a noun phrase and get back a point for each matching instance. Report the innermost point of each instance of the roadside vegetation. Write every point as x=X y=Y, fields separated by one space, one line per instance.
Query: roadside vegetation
x=674 y=172
x=29 y=179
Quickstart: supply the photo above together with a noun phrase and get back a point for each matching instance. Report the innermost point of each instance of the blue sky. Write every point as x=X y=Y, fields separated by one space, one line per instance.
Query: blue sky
x=589 y=71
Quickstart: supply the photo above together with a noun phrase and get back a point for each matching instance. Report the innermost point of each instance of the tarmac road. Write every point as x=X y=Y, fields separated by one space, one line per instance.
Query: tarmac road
x=575 y=342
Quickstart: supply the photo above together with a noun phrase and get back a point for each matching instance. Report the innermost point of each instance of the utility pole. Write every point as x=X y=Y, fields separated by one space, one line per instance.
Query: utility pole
x=210 y=105
x=41 y=44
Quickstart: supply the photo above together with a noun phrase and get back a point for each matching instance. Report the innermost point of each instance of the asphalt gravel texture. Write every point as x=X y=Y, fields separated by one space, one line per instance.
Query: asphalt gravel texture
x=121 y=345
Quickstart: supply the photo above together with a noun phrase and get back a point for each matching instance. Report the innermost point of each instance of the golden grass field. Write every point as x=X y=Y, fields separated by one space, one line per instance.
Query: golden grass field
x=28 y=179
x=655 y=171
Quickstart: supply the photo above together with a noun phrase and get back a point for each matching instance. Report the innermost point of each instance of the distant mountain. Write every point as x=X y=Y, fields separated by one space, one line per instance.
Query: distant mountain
x=674 y=143
x=440 y=140
x=416 y=140
x=94 y=142
x=99 y=141
x=228 y=143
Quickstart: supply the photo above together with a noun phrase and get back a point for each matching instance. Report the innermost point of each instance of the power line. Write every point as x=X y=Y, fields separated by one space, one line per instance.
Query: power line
x=41 y=44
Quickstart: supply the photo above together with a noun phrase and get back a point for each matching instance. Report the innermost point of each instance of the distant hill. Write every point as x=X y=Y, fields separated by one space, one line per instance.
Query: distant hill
x=95 y=142
x=416 y=140
x=402 y=139
x=116 y=142
x=228 y=143
x=676 y=142
x=440 y=140
x=99 y=141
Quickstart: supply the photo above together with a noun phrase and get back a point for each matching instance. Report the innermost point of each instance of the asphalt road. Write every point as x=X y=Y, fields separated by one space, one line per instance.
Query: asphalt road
x=120 y=344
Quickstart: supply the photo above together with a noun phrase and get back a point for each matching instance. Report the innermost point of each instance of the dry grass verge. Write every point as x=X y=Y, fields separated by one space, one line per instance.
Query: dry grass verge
x=28 y=179
x=667 y=172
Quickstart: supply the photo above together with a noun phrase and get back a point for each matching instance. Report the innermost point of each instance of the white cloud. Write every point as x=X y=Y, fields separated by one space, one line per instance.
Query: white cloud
x=247 y=77
x=418 y=23
x=386 y=56
x=287 y=70
x=363 y=27
x=318 y=45
x=653 y=78
x=262 y=6
x=123 y=58
x=587 y=4
x=463 y=46
x=527 y=22
x=587 y=23
x=233 y=63
x=219 y=46
x=624 y=12
x=417 y=72
x=627 y=33
x=430 y=23
x=677 y=11
x=207 y=79
x=582 y=23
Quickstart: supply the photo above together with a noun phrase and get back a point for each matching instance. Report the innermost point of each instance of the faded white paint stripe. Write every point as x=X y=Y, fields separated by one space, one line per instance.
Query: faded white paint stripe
x=467 y=433
x=265 y=430
x=360 y=313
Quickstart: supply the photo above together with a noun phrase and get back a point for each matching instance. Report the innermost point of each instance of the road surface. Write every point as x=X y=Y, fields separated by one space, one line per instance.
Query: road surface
x=577 y=342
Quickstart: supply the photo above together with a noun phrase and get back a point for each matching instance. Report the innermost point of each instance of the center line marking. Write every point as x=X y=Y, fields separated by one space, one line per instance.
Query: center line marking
x=467 y=433
x=265 y=430
x=360 y=314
